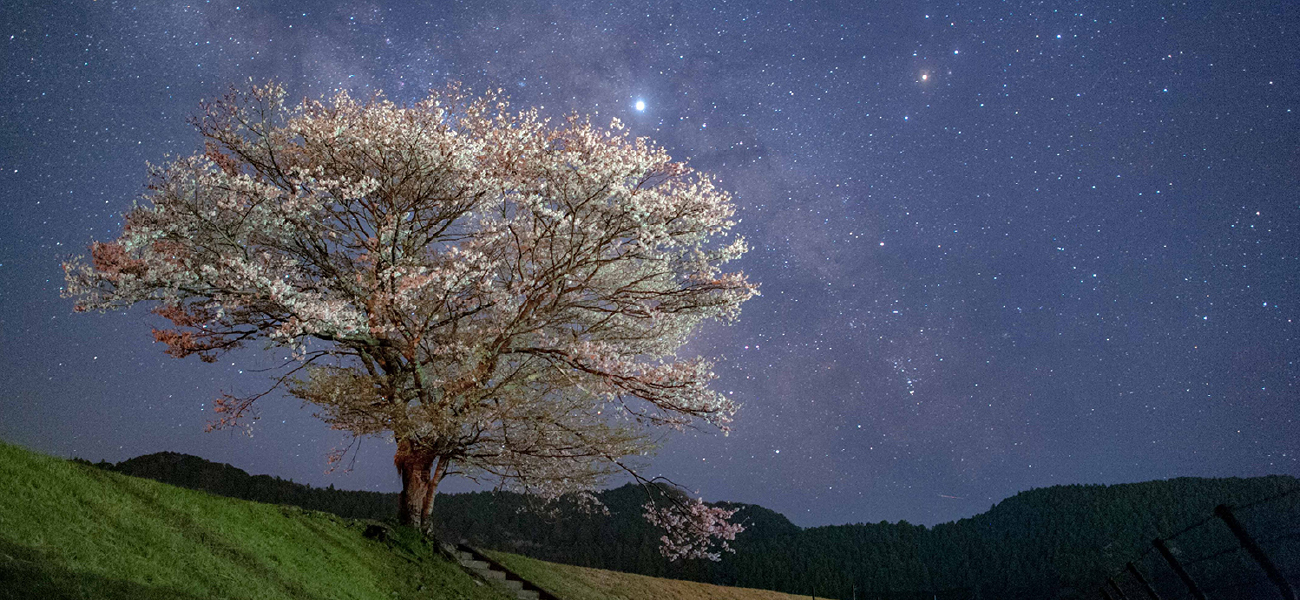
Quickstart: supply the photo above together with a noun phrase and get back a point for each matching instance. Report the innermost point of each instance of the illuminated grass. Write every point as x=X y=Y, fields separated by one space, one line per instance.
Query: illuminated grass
x=73 y=531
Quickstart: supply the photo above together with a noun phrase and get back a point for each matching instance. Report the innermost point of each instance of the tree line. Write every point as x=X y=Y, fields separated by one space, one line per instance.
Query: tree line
x=1055 y=542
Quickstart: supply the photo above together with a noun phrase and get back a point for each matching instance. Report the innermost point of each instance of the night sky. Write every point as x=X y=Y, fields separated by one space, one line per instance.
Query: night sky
x=1002 y=245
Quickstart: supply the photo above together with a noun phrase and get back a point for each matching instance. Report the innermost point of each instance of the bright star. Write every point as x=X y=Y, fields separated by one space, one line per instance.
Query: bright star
x=640 y=105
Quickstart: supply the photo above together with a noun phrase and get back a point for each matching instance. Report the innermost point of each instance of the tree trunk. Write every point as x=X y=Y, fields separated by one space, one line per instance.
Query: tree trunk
x=426 y=514
x=414 y=464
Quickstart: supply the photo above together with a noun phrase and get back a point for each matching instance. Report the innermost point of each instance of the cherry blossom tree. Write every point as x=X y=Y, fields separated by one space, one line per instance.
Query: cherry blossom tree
x=504 y=296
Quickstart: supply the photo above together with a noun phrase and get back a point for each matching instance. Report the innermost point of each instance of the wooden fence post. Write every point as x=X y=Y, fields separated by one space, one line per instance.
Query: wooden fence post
x=1223 y=512
x=1173 y=564
x=1151 y=592
x=1115 y=586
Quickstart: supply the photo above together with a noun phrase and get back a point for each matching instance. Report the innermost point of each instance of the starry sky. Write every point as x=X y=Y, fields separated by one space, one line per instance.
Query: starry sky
x=1002 y=245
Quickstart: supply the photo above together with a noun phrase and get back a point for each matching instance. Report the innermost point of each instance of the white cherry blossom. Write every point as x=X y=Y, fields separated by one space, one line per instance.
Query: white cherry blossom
x=504 y=296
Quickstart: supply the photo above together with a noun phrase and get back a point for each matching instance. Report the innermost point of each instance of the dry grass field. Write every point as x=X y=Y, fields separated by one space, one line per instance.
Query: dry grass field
x=580 y=583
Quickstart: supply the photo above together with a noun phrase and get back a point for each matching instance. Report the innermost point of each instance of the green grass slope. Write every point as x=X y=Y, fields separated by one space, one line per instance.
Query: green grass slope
x=581 y=583
x=72 y=531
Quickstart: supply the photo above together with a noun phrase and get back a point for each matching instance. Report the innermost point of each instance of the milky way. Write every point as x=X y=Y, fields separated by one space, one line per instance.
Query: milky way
x=1001 y=245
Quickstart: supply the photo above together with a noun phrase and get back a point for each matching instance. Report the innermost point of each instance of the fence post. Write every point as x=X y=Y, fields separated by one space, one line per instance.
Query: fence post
x=1114 y=586
x=1151 y=592
x=1223 y=512
x=1173 y=564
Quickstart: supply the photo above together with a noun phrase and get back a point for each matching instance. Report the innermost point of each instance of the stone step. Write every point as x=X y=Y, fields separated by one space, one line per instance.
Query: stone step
x=486 y=572
x=493 y=574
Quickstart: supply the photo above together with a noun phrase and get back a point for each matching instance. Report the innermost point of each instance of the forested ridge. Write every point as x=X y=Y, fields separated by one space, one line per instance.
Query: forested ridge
x=1059 y=541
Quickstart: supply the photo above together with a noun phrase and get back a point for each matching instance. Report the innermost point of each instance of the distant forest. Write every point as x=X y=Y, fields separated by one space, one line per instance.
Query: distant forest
x=1056 y=542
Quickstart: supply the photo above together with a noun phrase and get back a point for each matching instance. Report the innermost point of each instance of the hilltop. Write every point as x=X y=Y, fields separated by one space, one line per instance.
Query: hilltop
x=69 y=531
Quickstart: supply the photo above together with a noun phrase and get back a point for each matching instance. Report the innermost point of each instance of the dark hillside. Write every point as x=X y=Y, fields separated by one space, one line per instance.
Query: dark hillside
x=1049 y=542
x=224 y=480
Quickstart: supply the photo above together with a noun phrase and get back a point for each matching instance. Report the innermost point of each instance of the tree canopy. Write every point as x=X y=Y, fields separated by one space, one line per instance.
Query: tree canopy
x=504 y=296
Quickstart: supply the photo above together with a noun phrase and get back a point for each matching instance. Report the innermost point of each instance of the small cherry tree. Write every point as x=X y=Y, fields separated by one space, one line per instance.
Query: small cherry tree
x=503 y=296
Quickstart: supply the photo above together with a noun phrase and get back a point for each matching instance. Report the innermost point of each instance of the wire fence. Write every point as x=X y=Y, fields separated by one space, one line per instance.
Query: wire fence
x=1246 y=552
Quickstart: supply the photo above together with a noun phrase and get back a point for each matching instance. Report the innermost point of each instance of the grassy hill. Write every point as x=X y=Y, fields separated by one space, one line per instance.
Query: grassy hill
x=581 y=583
x=69 y=530
x=72 y=531
x=1043 y=543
